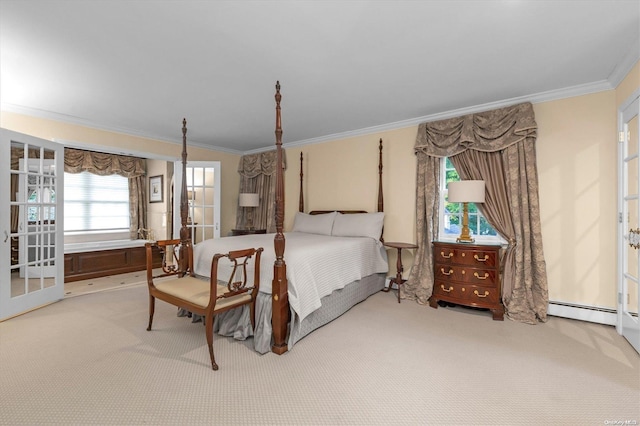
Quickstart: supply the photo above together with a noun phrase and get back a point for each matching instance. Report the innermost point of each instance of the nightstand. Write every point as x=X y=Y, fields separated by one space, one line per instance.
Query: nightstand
x=398 y=279
x=236 y=232
x=469 y=275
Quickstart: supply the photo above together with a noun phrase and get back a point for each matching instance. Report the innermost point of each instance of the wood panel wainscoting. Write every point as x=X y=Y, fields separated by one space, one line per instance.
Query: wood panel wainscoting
x=102 y=263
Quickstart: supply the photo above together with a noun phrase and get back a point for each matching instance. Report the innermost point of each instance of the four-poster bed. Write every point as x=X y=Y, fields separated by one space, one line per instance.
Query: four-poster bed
x=335 y=259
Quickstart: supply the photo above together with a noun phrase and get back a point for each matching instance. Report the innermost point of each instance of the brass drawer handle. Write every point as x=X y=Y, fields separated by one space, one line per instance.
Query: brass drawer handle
x=484 y=259
x=486 y=293
x=486 y=275
x=446 y=273
x=449 y=256
x=445 y=289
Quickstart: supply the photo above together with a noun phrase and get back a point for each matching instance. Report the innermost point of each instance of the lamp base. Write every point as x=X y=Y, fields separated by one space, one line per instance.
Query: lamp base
x=465 y=234
x=465 y=240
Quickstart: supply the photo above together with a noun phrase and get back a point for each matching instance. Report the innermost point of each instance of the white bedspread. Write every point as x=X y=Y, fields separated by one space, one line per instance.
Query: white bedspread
x=316 y=264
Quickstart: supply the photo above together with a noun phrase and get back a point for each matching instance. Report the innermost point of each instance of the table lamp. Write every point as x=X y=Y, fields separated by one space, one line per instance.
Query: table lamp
x=249 y=200
x=466 y=191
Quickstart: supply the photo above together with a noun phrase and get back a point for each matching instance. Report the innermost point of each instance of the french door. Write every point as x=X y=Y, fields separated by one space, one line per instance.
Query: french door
x=628 y=222
x=31 y=224
x=203 y=193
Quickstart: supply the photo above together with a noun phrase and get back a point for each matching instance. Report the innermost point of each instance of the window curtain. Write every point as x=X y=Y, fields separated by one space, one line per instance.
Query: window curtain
x=258 y=175
x=77 y=161
x=498 y=147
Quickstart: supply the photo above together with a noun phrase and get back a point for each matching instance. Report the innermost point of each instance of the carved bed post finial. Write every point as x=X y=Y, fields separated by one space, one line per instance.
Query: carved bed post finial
x=301 y=197
x=185 y=238
x=279 y=287
x=380 y=196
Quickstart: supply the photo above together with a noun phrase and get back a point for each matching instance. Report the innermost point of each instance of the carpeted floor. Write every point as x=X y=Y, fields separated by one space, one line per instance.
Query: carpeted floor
x=78 y=288
x=89 y=360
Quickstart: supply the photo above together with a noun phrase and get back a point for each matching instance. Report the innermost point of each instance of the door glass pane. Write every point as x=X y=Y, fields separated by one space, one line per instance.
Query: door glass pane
x=207 y=214
x=209 y=176
x=208 y=233
x=208 y=197
x=632 y=261
x=198 y=176
x=197 y=215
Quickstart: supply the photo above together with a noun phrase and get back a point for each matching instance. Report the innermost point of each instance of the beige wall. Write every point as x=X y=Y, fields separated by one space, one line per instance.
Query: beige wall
x=576 y=150
x=577 y=172
x=90 y=138
x=158 y=213
x=629 y=85
x=343 y=175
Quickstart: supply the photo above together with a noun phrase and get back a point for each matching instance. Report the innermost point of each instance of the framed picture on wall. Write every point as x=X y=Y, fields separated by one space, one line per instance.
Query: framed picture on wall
x=155 y=189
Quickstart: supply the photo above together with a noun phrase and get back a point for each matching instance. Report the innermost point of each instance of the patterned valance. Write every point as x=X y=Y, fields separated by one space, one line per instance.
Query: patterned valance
x=99 y=163
x=18 y=153
x=487 y=131
x=263 y=163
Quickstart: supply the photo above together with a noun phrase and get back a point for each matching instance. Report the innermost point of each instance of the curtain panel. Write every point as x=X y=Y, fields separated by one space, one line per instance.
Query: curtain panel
x=258 y=175
x=498 y=147
x=133 y=168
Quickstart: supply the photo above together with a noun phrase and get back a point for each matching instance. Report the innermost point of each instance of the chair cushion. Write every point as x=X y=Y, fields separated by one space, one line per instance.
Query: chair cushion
x=196 y=291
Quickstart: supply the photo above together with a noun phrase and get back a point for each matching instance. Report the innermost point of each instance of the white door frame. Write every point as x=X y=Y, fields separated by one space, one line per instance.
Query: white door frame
x=628 y=324
x=34 y=291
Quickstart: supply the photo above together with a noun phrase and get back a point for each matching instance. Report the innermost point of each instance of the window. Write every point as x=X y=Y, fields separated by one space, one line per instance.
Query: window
x=451 y=217
x=95 y=203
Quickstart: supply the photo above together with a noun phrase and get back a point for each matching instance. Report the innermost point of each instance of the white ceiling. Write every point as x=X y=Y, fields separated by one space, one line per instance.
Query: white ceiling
x=346 y=67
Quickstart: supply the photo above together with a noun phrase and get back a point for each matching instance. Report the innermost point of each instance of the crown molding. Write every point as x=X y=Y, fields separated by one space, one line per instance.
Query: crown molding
x=69 y=119
x=622 y=69
x=552 y=95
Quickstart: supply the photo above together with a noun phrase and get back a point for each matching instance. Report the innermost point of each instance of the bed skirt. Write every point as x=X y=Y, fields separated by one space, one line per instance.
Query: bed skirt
x=237 y=324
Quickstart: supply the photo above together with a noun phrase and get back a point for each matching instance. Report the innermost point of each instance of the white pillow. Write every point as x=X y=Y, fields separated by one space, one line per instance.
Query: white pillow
x=358 y=225
x=314 y=224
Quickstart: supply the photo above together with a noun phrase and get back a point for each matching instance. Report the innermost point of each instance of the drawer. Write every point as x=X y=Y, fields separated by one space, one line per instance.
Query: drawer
x=466 y=256
x=447 y=272
x=486 y=277
x=444 y=255
x=449 y=289
x=483 y=277
x=477 y=258
x=478 y=295
x=467 y=294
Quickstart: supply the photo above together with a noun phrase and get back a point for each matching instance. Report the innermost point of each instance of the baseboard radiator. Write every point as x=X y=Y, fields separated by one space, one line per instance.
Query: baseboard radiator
x=595 y=314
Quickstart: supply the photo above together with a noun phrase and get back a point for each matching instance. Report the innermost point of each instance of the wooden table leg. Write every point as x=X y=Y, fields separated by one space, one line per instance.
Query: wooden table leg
x=399 y=281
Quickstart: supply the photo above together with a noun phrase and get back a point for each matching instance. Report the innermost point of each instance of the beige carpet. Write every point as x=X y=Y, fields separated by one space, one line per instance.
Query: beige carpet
x=89 y=361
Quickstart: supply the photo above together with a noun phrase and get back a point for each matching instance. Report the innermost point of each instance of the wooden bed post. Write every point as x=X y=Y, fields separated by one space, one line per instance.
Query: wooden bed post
x=185 y=237
x=301 y=196
x=279 y=286
x=380 y=196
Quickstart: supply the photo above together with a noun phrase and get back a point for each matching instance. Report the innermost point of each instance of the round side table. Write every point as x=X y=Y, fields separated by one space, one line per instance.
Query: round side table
x=398 y=278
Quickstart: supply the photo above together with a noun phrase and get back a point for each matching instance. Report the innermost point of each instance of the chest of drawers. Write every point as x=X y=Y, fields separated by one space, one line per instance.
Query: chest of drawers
x=467 y=274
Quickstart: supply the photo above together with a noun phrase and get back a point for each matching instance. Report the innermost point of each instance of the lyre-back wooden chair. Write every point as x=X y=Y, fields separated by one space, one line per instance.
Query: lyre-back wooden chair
x=181 y=288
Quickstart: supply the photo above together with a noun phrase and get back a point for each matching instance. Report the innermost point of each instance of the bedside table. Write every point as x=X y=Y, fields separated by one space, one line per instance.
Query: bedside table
x=469 y=275
x=398 y=279
x=236 y=232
